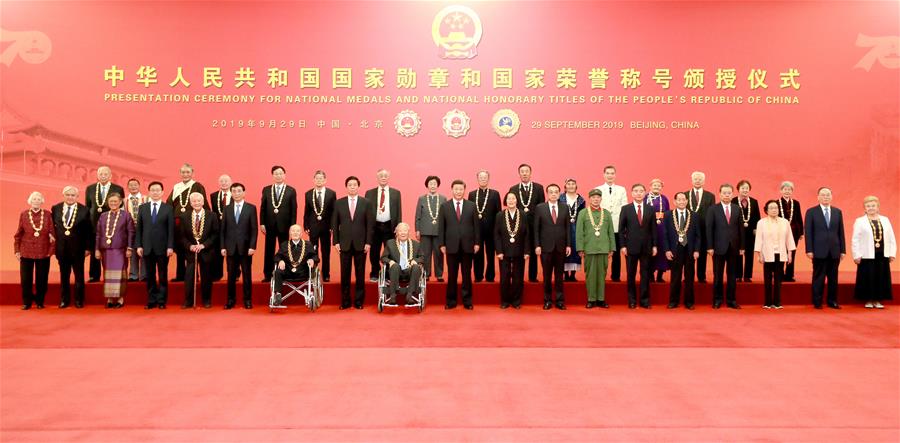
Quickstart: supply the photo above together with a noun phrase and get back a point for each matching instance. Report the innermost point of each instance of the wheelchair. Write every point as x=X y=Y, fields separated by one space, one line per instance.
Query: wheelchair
x=311 y=291
x=384 y=284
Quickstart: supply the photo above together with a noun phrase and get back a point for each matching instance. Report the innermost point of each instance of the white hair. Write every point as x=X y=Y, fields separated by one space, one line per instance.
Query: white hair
x=34 y=195
x=69 y=188
x=696 y=173
x=787 y=183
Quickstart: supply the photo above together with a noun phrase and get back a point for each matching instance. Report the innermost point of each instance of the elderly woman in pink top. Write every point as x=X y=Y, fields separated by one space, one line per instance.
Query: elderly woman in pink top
x=774 y=243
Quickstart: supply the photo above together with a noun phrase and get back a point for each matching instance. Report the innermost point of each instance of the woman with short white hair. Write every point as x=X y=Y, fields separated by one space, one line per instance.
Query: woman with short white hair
x=874 y=248
x=34 y=245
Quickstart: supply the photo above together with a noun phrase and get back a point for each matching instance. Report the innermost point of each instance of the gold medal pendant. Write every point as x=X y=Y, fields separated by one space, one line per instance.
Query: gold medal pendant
x=658 y=221
x=293 y=269
x=434 y=222
x=571 y=220
x=596 y=233
x=877 y=245
x=512 y=239
x=109 y=241
x=183 y=209
x=67 y=232
x=680 y=239
x=276 y=210
x=99 y=210
x=37 y=234
x=526 y=209
x=479 y=216
x=746 y=224
x=318 y=217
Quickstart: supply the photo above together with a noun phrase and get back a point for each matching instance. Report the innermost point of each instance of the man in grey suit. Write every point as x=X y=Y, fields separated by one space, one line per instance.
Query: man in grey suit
x=403 y=257
x=428 y=209
x=154 y=241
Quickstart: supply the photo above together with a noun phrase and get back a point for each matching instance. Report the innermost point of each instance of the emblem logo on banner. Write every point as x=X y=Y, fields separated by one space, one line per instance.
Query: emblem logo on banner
x=506 y=123
x=456 y=123
x=407 y=123
x=31 y=46
x=456 y=30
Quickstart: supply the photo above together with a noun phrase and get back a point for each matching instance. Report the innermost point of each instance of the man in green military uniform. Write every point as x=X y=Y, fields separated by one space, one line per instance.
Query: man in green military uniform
x=596 y=239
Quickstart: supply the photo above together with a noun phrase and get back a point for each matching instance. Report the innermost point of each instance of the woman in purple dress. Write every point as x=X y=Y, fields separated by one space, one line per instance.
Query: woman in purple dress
x=115 y=237
x=659 y=264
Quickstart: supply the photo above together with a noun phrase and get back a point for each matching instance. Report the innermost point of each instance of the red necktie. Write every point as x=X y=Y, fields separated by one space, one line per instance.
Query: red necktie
x=197 y=222
x=458 y=212
x=352 y=208
x=381 y=200
x=553 y=213
x=728 y=213
x=223 y=200
x=640 y=215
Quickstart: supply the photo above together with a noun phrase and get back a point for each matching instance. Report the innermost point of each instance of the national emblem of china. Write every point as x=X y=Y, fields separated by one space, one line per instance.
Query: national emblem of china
x=456 y=30
x=407 y=123
x=506 y=123
x=456 y=123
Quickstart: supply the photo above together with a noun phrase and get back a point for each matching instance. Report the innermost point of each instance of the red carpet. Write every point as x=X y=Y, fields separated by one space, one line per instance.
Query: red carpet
x=487 y=375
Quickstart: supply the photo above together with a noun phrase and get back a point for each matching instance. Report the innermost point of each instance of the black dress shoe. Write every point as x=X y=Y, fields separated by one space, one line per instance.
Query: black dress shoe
x=532 y=280
x=504 y=305
x=79 y=305
x=817 y=306
x=63 y=305
x=602 y=304
x=690 y=307
x=734 y=306
x=150 y=306
x=830 y=305
x=162 y=306
x=514 y=306
x=40 y=306
x=701 y=282
x=93 y=280
x=478 y=280
x=326 y=279
x=248 y=305
x=449 y=306
x=490 y=280
x=119 y=305
x=616 y=280
x=470 y=307
x=632 y=305
x=672 y=306
x=717 y=304
x=266 y=279
x=191 y=305
x=176 y=280
x=109 y=305
x=344 y=307
x=229 y=305
x=132 y=279
x=547 y=305
x=788 y=280
x=589 y=305
x=561 y=306
x=26 y=307
x=645 y=306
x=207 y=305
x=440 y=279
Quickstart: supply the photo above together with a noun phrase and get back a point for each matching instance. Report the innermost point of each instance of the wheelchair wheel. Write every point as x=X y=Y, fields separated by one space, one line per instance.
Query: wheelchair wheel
x=422 y=301
x=380 y=303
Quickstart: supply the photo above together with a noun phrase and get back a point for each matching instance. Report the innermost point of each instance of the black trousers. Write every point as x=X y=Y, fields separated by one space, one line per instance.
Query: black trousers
x=682 y=265
x=217 y=267
x=773 y=271
x=825 y=269
x=454 y=262
x=433 y=255
x=615 y=268
x=36 y=270
x=322 y=242
x=69 y=265
x=240 y=265
x=553 y=263
x=512 y=280
x=381 y=233
x=485 y=266
x=725 y=267
x=631 y=265
x=745 y=263
x=205 y=260
x=157 y=287
x=701 y=260
x=180 y=259
x=789 y=268
x=273 y=239
x=356 y=260
x=411 y=275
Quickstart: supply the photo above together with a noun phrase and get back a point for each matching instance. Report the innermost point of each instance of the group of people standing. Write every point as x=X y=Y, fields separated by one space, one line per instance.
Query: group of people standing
x=132 y=237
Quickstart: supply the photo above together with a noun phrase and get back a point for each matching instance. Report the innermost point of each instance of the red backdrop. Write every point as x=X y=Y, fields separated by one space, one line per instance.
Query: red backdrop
x=843 y=133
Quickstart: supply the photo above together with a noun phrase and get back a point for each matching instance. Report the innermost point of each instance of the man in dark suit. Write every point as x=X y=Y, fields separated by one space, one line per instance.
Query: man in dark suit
x=277 y=213
x=459 y=236
x=199 y=236
x=237 y=238
x=682 y=247
x=154 y=243
x=180 y=201
x=218 y=201
x=403 y=257
x=317 y=220
x=699 y=200
x=352 y=224
x=74 y=241
x=386 y=206
x=95 y=200
x=487 y=205
x=294 y=259
x=726 y=243
x=826 y=247
x=789 y=209
x=530 y=195
x=638 y=231
x=551 y=244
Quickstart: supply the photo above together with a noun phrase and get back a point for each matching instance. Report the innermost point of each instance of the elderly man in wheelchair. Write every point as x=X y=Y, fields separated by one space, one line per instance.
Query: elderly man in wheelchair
x=401 y=263
x=296 y=262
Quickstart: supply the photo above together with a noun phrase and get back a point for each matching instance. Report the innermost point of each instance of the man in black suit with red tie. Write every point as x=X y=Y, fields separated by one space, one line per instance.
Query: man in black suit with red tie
x=530 y=195
x=459 y=236
x=237 y=238
x=682 y=246
x=317 y=220
x=726 y=242
x=487 y=205
x=551 y=244
x=699 y=201
x=388 y=212
x=277 y=213
x=826 y=246
x=638 y=231
x=352 y=223
x=219 y=200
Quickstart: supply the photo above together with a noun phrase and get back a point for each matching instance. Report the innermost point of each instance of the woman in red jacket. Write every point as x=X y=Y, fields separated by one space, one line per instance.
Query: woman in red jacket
x=34 y=244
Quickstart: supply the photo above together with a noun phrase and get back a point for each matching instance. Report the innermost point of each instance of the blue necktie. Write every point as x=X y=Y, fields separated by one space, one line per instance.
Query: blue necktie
x=404 y=259
x=237 y=214
x=827 y=217
x=153 y=213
